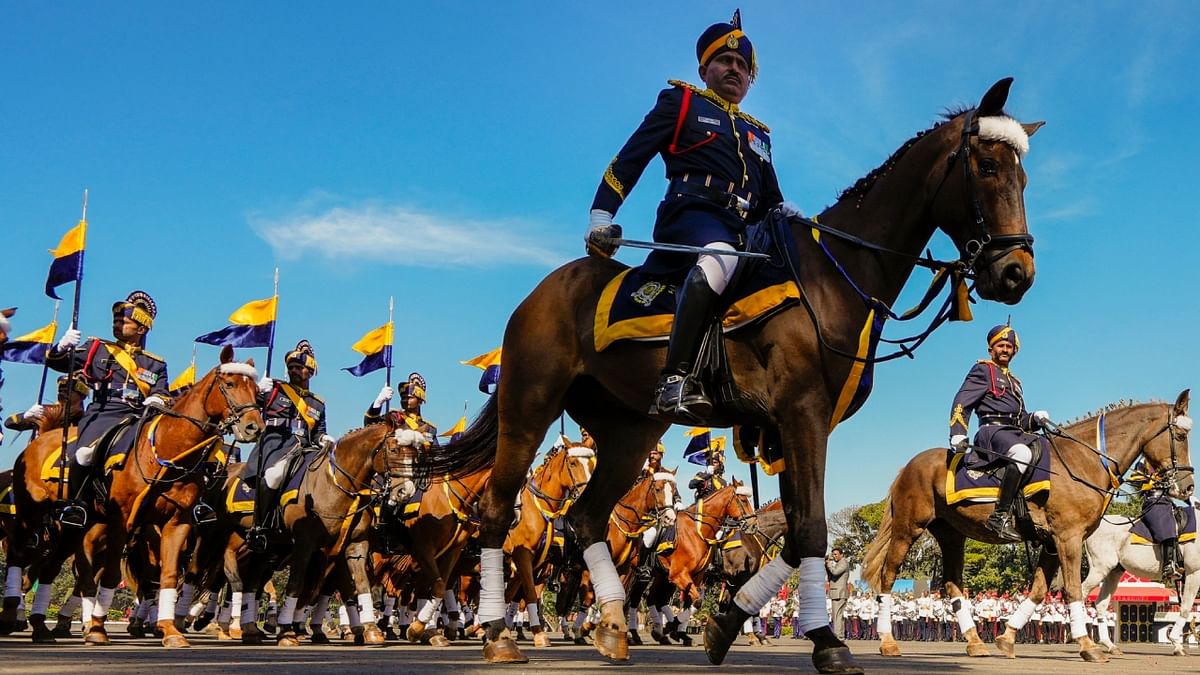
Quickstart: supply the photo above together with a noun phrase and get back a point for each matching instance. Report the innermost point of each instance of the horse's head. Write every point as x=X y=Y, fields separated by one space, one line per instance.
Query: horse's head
x=230 y=394
x=576 y=465
x=5 y=326
x=663 y=493
x=979 y=199
x=732 y=502
x=1166 y=448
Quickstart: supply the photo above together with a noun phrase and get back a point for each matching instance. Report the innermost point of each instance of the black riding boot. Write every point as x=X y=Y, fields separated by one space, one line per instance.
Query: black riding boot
x=1001 y=521
x=680 y=397
x=264 y=498
x=1170 y=560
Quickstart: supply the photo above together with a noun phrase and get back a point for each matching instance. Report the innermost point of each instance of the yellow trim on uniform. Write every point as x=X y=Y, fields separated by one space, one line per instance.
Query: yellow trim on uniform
x=729 y=39
x=731 y=108
x=612 y=181
x=954 y=496
x=233 y=506
x=958 y=417
x=298 y=401
x=126 y=361
x=754 y=305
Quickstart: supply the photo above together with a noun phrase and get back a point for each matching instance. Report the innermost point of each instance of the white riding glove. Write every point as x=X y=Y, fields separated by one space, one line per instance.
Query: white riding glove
x=327 y=441
x=959 y=443
x=35 y=411
x=265 y=384
x=69 y=339
x=790 y=210
x=154 y=401
x=385 y=394
x=601 y=232
x=1041 y=416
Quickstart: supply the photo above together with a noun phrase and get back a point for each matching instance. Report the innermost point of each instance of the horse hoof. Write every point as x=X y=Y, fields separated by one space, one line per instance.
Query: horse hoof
x=683 y=638
x=635 y=638
x=541 y=640
x=1179 y=651
x=1094 y=655
x=175 y=641
x=719 y=633
x=977 y=649
x=95 y=637
x=836 y=660
x=890 y=649
x=504 y=650
x=1116 y=651
x=1006 y=646
x=373 y=635
x=43 y=636
x=612 y=644
x=289 y=639
x=416 y=630
x=319 y=637
x=439 y=640
x=581 y=641
x=252 y=636
x=62 y=629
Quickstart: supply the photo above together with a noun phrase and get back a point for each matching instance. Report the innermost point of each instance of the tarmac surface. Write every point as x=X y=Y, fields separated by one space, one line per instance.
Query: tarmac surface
x=209 y=655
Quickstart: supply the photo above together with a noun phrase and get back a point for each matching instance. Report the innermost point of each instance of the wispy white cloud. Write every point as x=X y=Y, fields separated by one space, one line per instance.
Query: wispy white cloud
x=401 y=234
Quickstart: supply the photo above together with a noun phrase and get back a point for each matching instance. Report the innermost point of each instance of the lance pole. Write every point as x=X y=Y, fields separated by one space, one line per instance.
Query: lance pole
x=66 y=421
x=274 y=320
x=387 y=405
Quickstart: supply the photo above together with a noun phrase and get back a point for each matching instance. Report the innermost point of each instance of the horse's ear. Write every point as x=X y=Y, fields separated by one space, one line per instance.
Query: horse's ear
x=1181 y=403
x=226 y=354
x=995 y=98
x=6 y=313
x=250 y=361
x=1032 y=127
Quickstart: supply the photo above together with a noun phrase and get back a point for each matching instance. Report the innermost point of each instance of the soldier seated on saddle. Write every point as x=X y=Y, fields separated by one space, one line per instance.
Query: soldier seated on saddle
x=650 y=536
x=295 y=420
x=994 y=394
x=32 y=418
x=126 y=380
x=718 y=162
x=412 y=397
x=5 y=329
x=1158 y=513
x=712 y=477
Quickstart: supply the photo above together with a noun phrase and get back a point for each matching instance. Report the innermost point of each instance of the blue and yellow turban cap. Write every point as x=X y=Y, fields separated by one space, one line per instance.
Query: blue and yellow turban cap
x=1004 y=334
x=303 y=354
x=415 y=386
x=726 y=37
x=139 y=306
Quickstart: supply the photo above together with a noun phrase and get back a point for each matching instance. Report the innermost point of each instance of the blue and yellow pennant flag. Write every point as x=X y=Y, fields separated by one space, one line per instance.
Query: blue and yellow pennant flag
x=185 y=380
x=702 y=446
x=457 y=430
x=252 y=326
x=30 y=348
x=489 y=363
x=68 y=259
x=376 y=348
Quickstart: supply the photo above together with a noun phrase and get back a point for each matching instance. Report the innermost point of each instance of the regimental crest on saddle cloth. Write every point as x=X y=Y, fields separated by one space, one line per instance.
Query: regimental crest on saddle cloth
x=975 y=475
x=648 y=292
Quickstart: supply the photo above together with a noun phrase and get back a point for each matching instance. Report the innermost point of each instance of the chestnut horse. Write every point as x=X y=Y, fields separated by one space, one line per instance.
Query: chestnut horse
x=964 y=177
x=155 y=489
x=1086 y=466
x=550 y=491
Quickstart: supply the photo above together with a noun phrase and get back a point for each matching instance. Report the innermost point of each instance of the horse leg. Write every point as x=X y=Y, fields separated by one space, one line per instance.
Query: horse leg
x=1070 y=553
x=523 y=560
x=1191 y=588
x=302 y=552
x=87 y=560
x=41 y=601
x=953 y=546
x=1108 y=586
x=356 y=565
x=897 y=532
x=174 y=538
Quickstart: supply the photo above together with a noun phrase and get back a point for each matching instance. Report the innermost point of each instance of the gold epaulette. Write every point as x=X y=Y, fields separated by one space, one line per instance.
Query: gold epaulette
x=711 y=95
x=318 y=398
x=154 y=356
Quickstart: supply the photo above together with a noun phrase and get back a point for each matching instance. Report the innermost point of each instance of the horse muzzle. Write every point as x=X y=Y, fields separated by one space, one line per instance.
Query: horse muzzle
x=1005 y=277
x=247 y=432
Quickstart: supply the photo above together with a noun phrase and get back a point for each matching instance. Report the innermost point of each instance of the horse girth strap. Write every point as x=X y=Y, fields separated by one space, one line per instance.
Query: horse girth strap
x=699 y=517
x=126 y=361
x=451 y=498
x=300 y=404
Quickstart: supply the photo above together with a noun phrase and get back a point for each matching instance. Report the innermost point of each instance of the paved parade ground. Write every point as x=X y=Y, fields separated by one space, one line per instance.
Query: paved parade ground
x=208 y=655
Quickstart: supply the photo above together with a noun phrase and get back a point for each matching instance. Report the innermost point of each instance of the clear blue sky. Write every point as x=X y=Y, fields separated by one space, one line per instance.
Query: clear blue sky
x=447 y=154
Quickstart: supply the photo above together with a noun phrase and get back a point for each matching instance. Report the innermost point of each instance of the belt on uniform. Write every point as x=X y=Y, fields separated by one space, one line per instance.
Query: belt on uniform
x=1007 y=420
x=727 y=200
x=283 y=422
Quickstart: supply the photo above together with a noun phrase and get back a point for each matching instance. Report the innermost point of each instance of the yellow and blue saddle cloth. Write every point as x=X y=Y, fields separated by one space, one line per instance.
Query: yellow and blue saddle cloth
x=967 y=479
x=8 y=502
x=240 y=498
x=666 y=540
x=1140 y=534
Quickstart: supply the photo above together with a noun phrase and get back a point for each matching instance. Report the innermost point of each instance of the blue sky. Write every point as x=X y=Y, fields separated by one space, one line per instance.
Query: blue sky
x=447 y=154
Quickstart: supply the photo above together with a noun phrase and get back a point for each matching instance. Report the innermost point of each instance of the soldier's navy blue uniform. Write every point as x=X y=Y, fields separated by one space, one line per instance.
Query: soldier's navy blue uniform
x=712 y=152
x=293 y=417
x=1158 y=514
x=121 y=377
x=705 y=483
x=994 y=395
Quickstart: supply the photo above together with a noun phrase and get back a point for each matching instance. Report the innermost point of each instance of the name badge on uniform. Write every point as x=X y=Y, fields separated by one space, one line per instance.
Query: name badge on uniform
x=709 y=120
x=316 y=414
x=759 y=145
x=147 y=376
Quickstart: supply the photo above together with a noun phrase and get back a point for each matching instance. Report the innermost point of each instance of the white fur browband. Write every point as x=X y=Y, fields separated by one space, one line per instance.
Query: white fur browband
x=1184 y=422
x=238 y=369
x=1006 y=129
x=410 y=437
x=4 y=324
x=664 y=475
x=579 y=451
x=744 y=490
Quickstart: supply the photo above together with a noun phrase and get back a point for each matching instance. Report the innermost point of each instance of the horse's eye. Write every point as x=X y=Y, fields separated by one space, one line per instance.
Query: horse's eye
x=988 y=166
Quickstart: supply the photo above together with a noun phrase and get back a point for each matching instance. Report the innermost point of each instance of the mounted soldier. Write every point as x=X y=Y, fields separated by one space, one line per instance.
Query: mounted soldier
x=649 y=542
x=994 y=394
x=295 y=420
x=37 y=414
x=712 y=477
x=718 y=162
x=5 y=329
x=126 y=380
x=412 y=397
x=1158 y=514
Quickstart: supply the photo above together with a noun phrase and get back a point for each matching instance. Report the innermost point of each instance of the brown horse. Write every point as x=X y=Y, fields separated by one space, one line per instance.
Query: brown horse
x=550 y=491
x=792 y=369
x=155 y=489
x=1086 y=469
x=759 y=542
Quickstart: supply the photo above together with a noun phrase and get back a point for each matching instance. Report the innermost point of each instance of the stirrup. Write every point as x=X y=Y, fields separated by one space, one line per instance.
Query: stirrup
x=256 y=540
x=73 y=515
x=1001 y=524
x=681 y=398
x=203 y=514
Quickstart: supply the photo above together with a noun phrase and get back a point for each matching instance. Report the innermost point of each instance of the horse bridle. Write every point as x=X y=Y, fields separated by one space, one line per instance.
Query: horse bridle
x=236 y=410
x=1172 y=429
x=575 y=488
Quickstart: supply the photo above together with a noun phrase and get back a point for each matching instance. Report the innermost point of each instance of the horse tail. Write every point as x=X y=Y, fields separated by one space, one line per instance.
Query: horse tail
x=877 y=550
x=131 y=569
x=472 y=451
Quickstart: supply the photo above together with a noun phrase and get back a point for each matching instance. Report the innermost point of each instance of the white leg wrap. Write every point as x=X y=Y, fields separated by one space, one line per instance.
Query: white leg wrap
x=965 y=621
x=1102 y=629
x=389 y=603
x=430 y=611
x=287 y=613
x=668 y=614
x=748 y=627
x=580 y=617
x=353 y=615
x=1021 y=617
x=12 y=582
x=87 y=605
x=41 y=599
x=249 y=613
x=883 y=623
x=450 y=602
x=319 y=610
x=185 y=600
x=151 y=609
x=534 y=618
x=68 y=608
x=684 y=617
x=166 y=603
x=235 y=606
x=366 y=608
x=491 y=584
x=211 y=607
x=143 y=610
x=1176 y=632
x=1078 y=619
x=766 y=583
x=632 y=619
x=104 y=598
x=224 y=614
x=605 y=582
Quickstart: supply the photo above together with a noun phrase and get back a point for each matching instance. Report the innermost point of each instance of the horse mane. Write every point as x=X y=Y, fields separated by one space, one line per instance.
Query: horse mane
x=863 y=185
x=1117 y=405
